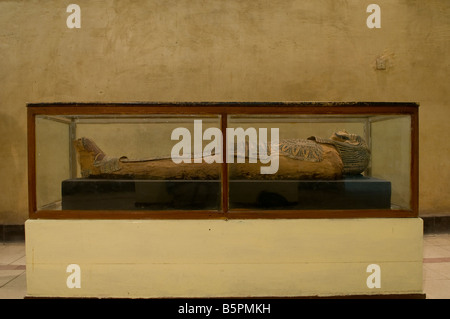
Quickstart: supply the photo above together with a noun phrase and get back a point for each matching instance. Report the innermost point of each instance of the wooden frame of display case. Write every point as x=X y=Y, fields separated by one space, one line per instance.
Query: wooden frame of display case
x=223 y=110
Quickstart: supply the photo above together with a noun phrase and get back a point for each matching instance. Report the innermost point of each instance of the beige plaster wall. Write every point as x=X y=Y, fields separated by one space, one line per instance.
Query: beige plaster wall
x=215 y=50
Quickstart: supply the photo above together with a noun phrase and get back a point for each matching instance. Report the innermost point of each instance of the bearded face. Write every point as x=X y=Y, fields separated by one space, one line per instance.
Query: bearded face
x=345 y=137
x=353 y=150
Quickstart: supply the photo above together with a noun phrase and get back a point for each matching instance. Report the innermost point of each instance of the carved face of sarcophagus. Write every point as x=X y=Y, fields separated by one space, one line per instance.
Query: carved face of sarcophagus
x=352 y=148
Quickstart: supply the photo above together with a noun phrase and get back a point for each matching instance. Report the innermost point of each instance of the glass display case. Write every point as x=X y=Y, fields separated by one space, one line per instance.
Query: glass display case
x=223 y=160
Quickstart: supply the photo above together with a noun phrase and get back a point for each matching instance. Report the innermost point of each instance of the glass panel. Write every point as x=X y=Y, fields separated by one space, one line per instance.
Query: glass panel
x=126 y=163
x=391 y=156
x=52 y=160
x=167 y=162
x=323 y=162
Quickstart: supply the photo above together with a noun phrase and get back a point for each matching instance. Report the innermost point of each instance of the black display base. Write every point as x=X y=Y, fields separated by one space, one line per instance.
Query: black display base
x=100 y=194
x=357 y=192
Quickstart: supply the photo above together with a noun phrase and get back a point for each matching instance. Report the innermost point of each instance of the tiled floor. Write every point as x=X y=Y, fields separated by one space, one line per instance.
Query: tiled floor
x=13 y=283
x=436 y=268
